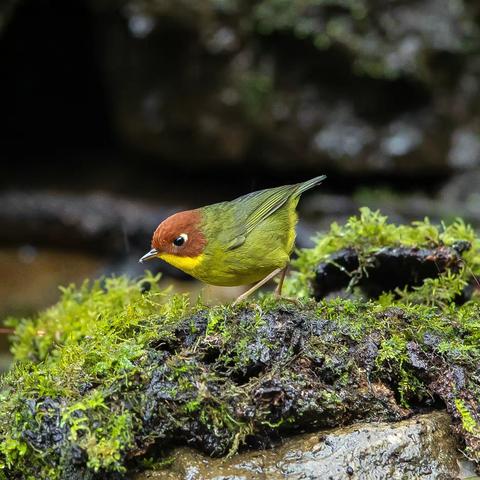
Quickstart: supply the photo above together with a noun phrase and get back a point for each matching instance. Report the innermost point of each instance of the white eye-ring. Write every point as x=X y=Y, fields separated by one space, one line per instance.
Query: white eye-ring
x=180 y=240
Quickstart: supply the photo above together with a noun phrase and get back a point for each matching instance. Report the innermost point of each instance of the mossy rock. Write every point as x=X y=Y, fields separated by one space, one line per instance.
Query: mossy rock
x=118 y=372
x=419 y=263
x=421 y=448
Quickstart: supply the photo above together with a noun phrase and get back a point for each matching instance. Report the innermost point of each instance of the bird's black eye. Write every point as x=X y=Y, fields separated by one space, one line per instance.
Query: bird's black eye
x=180 y=240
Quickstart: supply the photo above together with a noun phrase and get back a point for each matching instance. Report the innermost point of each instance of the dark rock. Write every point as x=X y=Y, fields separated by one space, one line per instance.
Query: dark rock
x=116 y=228
x=421 y=447
x=360 y=88
x=415 y=355
x=96 y=221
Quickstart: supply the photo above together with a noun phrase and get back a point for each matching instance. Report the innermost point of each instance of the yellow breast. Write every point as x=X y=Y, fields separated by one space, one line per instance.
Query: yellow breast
x=187 y=264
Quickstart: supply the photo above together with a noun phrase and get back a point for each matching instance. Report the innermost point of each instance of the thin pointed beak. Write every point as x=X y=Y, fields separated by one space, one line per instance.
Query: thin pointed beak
x=151 y=254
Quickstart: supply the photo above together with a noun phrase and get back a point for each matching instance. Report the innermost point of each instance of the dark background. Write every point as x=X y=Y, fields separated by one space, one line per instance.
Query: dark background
x=115 y=114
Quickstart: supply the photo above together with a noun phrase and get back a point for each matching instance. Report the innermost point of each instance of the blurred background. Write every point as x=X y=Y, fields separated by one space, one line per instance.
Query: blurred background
x=116 y=113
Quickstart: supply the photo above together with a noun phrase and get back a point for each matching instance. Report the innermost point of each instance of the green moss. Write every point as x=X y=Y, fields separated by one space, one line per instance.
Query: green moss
x=116 y=305
x=120 y=370
x=96 y=335
x=369 y=233
x=468 y=422
x=105 y=418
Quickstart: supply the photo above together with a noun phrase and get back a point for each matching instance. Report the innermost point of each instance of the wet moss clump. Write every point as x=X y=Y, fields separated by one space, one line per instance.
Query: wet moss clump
x=119 y=371
x=418 y=263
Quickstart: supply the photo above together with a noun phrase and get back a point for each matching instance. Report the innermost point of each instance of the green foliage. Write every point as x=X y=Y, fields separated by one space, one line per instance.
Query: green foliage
x=296 y=15
x=256 y=93
x=468 y=422
x=114 y=302
x=370 y=232
x=358 y=27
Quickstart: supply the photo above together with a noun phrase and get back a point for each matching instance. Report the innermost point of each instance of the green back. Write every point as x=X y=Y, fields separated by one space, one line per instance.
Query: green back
x=242 y=215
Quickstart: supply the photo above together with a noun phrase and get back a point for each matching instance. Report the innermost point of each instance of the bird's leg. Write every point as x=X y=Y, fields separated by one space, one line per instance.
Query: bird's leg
x=278 y=290
x=257 y=286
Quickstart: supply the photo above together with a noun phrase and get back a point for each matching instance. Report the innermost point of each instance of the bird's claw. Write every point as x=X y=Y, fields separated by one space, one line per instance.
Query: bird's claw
x=279 y=297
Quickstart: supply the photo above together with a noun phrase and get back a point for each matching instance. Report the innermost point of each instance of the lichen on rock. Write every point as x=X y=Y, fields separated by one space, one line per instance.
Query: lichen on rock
x=119 y=371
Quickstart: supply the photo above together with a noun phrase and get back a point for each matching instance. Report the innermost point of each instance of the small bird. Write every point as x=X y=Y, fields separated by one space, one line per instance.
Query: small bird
x=247 y=240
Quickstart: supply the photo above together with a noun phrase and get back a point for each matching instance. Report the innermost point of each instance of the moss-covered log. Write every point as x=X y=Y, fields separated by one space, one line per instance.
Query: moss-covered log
x=118 y=371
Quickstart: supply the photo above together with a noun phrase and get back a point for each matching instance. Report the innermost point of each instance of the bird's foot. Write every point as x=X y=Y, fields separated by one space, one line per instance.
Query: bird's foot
x=256 y=286
x=240 y=298
x=280 y=297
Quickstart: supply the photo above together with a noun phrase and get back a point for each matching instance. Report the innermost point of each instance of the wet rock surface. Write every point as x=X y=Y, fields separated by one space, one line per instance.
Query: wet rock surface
x=421 y=447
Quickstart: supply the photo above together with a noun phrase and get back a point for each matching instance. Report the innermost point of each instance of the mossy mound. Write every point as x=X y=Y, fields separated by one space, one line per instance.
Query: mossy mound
x=419 y=263
x=118 y=372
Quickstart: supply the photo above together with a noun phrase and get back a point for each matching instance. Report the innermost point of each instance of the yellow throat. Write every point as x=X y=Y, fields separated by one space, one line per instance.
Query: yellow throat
x=187 y=264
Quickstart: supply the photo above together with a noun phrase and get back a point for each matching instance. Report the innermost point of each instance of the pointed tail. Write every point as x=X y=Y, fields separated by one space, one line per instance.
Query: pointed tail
x=302 y=187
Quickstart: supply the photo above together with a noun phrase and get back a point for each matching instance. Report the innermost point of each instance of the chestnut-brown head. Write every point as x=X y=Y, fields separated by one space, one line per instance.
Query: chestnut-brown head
x=178 y=235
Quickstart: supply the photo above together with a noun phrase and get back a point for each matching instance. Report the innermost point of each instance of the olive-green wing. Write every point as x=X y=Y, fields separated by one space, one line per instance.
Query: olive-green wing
x=253 y=208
